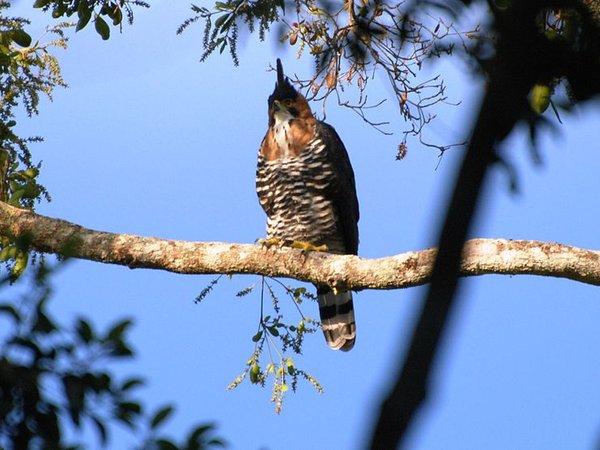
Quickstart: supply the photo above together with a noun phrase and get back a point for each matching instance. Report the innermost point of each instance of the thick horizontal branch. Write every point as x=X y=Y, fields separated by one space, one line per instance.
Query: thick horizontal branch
x=480 y=256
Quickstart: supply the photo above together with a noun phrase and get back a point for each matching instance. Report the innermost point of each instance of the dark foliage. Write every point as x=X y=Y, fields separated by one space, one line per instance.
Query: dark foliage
x=54 y=377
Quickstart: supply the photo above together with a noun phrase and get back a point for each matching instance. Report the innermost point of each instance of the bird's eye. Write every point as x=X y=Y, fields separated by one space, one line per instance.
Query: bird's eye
x=288 y=102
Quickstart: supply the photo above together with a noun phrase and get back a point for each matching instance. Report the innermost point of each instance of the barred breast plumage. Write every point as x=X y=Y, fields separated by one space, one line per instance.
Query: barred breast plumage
x=295 y=191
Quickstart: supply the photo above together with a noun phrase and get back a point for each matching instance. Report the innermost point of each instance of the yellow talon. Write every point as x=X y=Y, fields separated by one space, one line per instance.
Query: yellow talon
x=308 y=247
x=268 y=243
x=302 y=245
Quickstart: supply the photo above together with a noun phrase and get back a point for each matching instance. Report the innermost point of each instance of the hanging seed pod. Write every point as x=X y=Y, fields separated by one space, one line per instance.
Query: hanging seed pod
x=294 y=38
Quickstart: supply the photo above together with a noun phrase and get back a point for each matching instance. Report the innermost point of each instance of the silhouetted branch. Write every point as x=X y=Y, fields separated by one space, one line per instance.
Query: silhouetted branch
x=522 y=56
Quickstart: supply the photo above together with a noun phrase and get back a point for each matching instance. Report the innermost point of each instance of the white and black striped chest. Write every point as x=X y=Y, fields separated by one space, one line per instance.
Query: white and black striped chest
x=302 y=175
x=294 y=192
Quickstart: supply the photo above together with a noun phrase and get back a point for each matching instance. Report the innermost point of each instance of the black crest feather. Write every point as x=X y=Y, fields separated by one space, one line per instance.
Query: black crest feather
x=280 y=75
x=283 y=87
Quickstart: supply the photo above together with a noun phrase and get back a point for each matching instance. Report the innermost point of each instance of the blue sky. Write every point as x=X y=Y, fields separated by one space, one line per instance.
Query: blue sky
x=149 y=141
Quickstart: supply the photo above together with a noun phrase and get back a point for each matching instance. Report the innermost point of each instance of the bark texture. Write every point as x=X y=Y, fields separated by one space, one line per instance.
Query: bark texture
x=480 y=256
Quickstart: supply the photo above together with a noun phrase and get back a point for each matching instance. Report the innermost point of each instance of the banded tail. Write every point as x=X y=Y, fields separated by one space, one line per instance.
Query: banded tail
x=337 y=318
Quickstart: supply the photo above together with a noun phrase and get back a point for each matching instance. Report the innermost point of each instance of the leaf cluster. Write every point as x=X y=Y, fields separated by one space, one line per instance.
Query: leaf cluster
x=53 y=376
x=39 y=353
x=28 y=70
x=221 y=24
x=560 y=41
x=347 y=41
x=102 y=11
x=277 y=340
x=566 y=30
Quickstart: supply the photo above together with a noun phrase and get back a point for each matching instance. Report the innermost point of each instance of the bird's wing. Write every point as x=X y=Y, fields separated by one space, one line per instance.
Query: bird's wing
x=342 y=189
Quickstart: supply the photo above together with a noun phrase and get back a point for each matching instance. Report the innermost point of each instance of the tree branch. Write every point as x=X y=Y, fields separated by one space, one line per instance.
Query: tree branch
x=480 y=256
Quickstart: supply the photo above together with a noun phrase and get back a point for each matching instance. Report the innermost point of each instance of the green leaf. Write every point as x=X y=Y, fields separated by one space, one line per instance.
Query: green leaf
x=75 y=393
x=160 y=416
x=40 y=3
x=83 y=21
x=540 y=97
x=274 y=331
x=12 y=311
x=224 y=21
x=59 y=10
x=198 y=438
x=199 y=431
x=84 y=12
x=101 y=430
x=15 y=197
x=43 y=324
x=99 y=383
x=299 y=291
x=126 y=412
x=131 y=383
x=31 y=173
x=254 y=373
x=21 y=38
x=290 y=366
x=117 y=17
x=84 y=330
x=244 y=291
x=31 y=190
x=164 y=444
x=116 y=332
x=131 y=407
x=120 y=350
x=257 y=336
x=102 y=28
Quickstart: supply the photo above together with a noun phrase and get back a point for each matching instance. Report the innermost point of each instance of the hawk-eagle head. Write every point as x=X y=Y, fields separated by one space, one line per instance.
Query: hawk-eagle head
x=285 y=101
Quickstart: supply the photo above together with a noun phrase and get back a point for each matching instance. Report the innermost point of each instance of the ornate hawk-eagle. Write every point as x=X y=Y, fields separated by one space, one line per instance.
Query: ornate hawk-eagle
x=305 y=184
